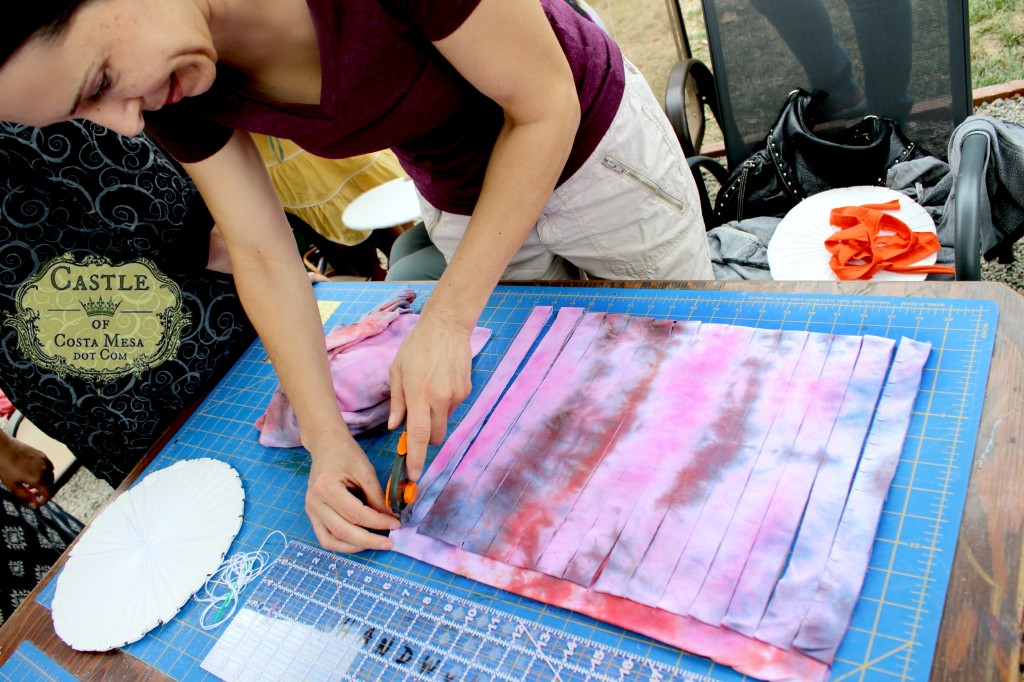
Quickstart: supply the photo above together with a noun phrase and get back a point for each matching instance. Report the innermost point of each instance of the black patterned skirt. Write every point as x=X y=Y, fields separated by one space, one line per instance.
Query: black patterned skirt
x=32 y=540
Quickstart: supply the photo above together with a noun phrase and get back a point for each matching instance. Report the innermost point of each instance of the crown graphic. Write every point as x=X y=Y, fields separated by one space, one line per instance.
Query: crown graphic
x=100 y=307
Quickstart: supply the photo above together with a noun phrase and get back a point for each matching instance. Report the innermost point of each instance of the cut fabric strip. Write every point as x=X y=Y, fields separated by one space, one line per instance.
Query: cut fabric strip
x=769 y=370
x=870 y=240
x=714 y=452
x=597 y=509
x=734 y=458
x=440 y=470
x=711 y=365
x=795 y=591
x=544 y=434
x=752 y=542
x=784 y=513
x=730 y=560
x=592 y=434
x=589 y=428
x=559 y=428
x=624 y=468
x=533 y=541
x=836 y=595
x=666 y=428
x=458 y=491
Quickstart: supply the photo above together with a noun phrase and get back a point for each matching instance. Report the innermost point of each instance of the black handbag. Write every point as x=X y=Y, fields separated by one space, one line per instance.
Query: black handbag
x=795 y=162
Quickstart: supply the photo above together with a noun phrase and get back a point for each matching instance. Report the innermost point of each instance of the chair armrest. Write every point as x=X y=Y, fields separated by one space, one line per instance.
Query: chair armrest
x=716 y=169
x=718 y=172
x=970 y=183
x=690 y=86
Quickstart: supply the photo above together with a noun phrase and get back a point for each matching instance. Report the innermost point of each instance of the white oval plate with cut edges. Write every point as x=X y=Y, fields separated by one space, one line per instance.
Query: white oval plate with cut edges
x=144 y=556
x=797 y=248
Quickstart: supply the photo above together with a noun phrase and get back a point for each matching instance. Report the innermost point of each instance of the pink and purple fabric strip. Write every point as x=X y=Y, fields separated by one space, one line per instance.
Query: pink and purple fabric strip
x=443 y=465
x=716 y=487
x=829 y=616
x=795 y=590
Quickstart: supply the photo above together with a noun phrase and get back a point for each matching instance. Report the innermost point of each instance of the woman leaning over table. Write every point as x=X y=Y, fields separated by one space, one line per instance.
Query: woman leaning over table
x=538 y=153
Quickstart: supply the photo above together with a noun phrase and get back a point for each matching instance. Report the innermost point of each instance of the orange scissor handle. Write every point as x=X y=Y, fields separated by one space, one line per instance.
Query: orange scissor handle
x=400 y=491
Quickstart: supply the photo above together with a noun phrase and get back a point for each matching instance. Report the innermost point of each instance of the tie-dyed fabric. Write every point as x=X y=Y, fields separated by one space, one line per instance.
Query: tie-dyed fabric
x=359 y=356
x=715 y=487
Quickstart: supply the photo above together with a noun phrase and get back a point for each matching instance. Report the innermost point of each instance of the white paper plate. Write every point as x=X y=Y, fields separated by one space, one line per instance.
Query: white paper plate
x=797 y=249
x=142 y=558
x=392 y=203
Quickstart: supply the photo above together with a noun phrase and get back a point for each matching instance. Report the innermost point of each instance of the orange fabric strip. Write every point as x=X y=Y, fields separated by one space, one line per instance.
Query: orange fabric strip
x=860 y=249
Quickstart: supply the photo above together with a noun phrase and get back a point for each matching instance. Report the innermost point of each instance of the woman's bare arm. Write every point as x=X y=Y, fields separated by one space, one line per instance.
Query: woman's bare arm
x=279 y=300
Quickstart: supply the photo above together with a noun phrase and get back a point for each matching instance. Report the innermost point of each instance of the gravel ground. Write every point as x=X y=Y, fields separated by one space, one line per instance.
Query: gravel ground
x=84 y=494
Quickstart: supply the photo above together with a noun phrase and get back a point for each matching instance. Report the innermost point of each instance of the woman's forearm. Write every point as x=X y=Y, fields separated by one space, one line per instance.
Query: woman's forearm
x=271 y=281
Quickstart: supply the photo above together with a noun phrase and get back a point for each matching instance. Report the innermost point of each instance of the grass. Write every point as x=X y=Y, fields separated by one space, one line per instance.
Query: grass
x=997 y=41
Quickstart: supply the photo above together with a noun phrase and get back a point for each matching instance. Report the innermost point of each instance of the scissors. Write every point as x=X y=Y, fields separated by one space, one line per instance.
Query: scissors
x=400 y=491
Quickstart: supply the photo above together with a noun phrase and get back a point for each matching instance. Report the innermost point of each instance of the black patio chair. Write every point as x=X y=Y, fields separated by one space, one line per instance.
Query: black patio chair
x=903 y=59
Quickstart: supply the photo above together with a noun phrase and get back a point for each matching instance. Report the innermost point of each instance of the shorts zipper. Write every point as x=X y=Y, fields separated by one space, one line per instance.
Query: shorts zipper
x=644 y=182
x=432 y=224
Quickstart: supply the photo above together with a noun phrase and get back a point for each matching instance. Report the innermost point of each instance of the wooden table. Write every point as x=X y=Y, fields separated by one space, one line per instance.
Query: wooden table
x=980 y=636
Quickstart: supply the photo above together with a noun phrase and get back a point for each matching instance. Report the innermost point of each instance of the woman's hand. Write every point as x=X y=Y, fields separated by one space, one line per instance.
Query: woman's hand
x=430 y=377
x=26 y=471
x=341 y=521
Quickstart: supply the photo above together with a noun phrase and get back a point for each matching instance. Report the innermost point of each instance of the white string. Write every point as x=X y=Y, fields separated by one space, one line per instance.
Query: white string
x=221 y=591
x=540 y=652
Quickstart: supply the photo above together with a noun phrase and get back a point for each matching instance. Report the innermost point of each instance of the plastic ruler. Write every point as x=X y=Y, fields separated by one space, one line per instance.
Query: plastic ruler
x=387 y=627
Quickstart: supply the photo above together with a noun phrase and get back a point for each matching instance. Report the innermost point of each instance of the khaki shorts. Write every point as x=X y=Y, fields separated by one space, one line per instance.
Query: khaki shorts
x=630 y=212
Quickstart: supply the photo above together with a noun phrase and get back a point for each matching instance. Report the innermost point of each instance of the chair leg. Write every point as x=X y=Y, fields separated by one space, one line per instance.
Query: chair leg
x=1005 y=254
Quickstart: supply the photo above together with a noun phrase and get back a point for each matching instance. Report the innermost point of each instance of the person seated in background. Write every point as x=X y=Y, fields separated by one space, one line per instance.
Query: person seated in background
x=315 y=192
x=806 y=28
x=116 y=314
x=414 y=257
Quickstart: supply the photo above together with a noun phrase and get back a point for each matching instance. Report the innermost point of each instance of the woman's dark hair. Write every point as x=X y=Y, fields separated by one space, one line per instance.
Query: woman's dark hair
x=47 y=18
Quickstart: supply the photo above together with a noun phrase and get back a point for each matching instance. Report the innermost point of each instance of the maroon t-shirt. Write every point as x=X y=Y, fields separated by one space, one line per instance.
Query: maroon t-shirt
x=385 y=86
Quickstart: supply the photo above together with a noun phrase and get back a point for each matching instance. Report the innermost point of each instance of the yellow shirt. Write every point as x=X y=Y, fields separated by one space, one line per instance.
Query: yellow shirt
x=318 y=190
